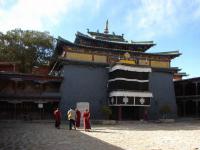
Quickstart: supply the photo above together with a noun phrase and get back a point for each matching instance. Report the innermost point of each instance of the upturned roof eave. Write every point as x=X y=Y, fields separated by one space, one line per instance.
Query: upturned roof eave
x=163 y=54
x=79 y=34
x=194 y=79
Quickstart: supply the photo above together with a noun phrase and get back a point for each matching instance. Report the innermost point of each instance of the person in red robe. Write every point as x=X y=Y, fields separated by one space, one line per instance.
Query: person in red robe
x=78 y=118
x=86 y=120
x=57 y=117
x=145 y=115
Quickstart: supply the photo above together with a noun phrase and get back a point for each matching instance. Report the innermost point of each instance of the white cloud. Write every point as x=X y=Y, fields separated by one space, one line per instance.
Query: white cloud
x=41 y=14
x=197 y=10
x=160 y=17
x=98 y=4
x=2 y=2
x=33 y=14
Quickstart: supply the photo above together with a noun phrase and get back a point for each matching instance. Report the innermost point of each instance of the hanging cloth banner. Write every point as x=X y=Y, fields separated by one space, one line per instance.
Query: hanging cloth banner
x=130 y=68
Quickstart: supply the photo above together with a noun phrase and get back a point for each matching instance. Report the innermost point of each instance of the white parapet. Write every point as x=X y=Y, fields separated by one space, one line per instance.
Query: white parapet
x=130 y=94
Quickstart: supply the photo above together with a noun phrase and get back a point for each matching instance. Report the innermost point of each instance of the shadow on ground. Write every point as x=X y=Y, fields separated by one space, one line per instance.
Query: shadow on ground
x=43 y=136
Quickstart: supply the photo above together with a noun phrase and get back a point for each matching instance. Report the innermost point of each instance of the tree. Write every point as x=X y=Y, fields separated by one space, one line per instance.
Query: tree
x=31 y=48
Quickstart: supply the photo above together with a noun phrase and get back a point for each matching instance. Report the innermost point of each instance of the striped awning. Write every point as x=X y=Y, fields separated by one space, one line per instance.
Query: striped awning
x=125 y=79
x=130 y=68
x=130 y=94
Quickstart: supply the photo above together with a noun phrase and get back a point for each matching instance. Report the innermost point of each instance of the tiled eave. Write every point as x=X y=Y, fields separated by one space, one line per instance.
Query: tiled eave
x=64 y=42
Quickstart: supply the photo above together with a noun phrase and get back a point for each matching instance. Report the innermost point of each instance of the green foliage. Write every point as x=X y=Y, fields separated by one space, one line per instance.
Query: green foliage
x=31 y=48
x=107 y=112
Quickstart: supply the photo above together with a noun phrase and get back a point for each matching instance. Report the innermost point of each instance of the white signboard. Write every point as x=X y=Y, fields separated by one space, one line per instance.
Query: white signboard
x=40 y=105
x=82 y=106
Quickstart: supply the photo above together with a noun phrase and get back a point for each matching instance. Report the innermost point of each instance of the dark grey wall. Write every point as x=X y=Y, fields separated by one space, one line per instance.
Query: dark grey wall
x=162 y=87
x=84 y=83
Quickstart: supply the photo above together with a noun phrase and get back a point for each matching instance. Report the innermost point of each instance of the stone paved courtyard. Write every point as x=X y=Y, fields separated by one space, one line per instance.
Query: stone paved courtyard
x=130 y=136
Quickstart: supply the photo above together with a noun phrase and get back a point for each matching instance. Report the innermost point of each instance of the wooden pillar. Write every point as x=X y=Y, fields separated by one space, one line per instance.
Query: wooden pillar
x=196 y=88
x=184 y=101
x=197 y=106
x=183 y=88
x=196 y=101
x=15 y=102
x=40 y=113
x=184 y=107
x=119 y=112
x=43 y=116
x=15 y=87
x=107 y=58
x=15 y=107
x=14 y=68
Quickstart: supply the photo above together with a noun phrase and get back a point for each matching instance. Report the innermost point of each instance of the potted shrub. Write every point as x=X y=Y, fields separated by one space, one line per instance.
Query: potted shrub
x=107 y=112
x=165 y=110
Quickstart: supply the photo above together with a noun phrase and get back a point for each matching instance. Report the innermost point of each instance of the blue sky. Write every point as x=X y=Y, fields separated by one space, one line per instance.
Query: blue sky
x=171 y=24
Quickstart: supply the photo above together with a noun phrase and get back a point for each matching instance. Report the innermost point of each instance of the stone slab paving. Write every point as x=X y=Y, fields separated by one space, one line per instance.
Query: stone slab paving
x=129 y=136
x=43 y=136
x=151 y=136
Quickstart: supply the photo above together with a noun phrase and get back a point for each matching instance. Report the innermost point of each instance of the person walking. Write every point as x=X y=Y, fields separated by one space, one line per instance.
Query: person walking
x=86 y=120
x=145 y=115
x=78 y=118
x=57 y=117
x=71 y=117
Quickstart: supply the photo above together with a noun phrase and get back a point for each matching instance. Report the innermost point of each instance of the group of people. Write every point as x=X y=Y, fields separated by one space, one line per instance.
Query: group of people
x=74 y=117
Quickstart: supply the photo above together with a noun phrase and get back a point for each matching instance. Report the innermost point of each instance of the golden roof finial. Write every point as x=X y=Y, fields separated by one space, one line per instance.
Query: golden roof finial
x=106 y=29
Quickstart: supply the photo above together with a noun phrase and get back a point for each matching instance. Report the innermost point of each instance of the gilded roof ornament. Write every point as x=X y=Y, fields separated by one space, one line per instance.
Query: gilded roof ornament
x=106 y=29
